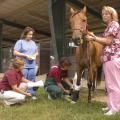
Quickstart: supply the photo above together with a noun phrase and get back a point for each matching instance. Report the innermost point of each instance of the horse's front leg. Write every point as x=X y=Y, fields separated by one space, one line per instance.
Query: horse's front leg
x=89 y=83
x=75 y=94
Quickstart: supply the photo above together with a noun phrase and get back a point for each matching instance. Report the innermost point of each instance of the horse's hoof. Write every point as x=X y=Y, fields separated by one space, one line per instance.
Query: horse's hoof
x=73 y=102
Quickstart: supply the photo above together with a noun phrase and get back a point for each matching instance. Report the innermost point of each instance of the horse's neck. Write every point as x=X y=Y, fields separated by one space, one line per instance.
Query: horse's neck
x=83 y=46
x=84 y=43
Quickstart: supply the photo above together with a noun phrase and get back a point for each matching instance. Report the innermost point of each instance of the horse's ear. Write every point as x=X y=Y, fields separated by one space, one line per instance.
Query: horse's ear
x=84 y=10
x=72 y=11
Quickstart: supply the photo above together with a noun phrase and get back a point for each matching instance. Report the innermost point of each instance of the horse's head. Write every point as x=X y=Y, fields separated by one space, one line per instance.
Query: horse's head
x=78 y=22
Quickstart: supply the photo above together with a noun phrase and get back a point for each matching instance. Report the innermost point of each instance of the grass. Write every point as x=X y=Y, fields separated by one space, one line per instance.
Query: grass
x=44 y=109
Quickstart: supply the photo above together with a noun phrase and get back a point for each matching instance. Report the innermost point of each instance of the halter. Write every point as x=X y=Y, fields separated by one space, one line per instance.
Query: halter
x=75 y=13
x=73 y=16
x=81 y=38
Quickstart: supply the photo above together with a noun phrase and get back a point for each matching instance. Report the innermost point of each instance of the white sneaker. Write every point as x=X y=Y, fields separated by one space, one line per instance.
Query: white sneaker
x=49 y=97
x=109 y=113
x=105 y=109
x=73 y=102
x=4 y=103
x=34 y=98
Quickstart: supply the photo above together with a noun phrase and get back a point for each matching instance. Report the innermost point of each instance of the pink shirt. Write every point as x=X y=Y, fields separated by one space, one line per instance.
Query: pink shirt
x=112 y=51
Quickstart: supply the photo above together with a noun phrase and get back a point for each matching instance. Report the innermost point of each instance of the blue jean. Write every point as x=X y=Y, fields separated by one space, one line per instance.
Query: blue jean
x=30 y=74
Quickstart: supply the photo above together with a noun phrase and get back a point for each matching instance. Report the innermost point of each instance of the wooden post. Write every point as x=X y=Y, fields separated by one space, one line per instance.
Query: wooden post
x=56 y=10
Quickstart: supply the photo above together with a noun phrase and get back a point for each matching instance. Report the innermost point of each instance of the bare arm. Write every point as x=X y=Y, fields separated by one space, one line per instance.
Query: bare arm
x=37 y=53
x=25 y=80
x=68 y=82
x=16 y=89
x=17 y=53
x=104 y=41
x=62 y=88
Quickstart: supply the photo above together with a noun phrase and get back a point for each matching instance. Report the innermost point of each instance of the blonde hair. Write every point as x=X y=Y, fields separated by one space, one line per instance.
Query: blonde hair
x=17 y=63
x=112 y=11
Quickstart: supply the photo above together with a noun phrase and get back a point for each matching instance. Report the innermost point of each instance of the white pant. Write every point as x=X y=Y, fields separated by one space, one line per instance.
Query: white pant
x=11 y=97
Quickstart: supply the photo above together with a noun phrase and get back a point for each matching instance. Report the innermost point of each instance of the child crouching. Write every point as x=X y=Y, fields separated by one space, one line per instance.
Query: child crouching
x=57 y=81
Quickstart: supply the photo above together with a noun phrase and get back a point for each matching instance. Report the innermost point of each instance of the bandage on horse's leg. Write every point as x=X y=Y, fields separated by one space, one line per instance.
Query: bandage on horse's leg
x=75 y=94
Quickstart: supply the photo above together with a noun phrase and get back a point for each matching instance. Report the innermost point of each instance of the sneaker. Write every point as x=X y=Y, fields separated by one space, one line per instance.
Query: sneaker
x=105 y=109
x=109 y=113
x=4 y=103
x=49 y=97
x=34 y=98
x=73 y=102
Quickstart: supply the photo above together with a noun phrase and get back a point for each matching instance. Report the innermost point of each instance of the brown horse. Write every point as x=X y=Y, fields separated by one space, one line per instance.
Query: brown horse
x=87 y=53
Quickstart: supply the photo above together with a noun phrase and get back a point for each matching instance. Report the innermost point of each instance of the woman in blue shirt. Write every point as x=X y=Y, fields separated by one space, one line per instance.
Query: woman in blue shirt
x=26 y=48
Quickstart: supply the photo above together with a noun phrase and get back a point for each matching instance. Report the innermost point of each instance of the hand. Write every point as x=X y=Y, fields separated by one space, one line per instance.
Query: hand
x=91 y=34
x=67 y=91
x=28 y=57
x=28 y=94
x=90 y=38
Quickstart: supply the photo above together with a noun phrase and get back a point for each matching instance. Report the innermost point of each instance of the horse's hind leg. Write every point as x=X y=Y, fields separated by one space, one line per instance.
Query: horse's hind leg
x=91 y=80
x=94 y=81
x=94 y=74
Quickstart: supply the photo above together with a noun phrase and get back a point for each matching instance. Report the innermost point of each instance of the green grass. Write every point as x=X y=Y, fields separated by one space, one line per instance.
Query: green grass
x=44 y=109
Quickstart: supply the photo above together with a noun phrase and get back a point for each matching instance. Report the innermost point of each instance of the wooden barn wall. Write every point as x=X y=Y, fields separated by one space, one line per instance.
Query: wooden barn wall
x=7 y=57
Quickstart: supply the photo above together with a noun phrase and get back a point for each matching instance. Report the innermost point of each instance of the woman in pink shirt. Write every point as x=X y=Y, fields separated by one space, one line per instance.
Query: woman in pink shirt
x=110 y=58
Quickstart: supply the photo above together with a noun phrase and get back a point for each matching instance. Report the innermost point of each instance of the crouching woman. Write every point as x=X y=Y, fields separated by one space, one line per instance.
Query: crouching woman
x=13 y=86
x=57 y=81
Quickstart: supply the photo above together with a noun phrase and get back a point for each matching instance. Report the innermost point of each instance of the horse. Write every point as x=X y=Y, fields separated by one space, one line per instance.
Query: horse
x=87 y=53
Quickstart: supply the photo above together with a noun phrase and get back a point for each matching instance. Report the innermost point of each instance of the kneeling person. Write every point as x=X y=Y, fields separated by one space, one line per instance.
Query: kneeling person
x=13 y=86
x=57 y=81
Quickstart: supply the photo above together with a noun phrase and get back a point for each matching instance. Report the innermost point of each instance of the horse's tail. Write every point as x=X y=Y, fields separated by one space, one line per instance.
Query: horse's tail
x=99 y=75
